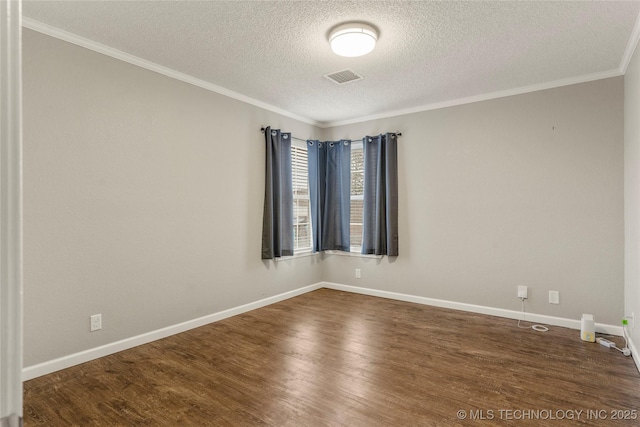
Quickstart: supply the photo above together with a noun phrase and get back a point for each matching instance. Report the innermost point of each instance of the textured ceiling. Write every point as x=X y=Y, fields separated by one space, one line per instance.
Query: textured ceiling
x=428 y=53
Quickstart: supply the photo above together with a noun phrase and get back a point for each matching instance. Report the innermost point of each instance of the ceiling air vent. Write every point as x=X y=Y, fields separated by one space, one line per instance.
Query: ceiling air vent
x=344 y=76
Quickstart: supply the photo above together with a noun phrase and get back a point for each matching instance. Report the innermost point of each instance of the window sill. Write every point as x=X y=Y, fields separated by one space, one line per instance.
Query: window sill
x=339 y=253
x=353 y=254
x=296 y=256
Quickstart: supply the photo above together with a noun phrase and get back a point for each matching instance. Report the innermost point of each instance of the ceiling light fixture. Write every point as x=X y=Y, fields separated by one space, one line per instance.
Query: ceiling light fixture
x=353 y=39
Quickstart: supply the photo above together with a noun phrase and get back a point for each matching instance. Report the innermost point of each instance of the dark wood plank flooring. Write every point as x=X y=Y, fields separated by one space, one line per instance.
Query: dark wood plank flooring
x=330 y=358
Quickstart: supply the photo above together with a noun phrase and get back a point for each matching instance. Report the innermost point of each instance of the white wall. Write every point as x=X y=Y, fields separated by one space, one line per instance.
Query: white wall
x=632 y=193
x=142 y=201
x=523 y=190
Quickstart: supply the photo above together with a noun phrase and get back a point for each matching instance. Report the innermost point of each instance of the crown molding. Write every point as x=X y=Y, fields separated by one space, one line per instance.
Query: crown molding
x=478 y=98
x=152 y=66
x=126 y=57
x=631 y=46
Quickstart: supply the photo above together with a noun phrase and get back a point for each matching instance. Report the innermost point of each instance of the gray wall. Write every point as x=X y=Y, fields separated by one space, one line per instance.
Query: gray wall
x=632 y=192
x=142 y=201
x=523 y=190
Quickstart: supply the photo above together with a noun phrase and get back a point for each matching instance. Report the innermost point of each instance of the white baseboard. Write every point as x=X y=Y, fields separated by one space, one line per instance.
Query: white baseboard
x=51 y=366
x=634 y=353
x=492 y=311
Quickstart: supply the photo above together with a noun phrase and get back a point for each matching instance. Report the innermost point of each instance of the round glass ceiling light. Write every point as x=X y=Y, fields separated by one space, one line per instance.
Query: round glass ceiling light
x=353 y=39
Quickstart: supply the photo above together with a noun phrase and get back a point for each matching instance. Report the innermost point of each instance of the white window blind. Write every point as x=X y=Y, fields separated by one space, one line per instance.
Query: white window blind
x=301 y=204
x=357 y=195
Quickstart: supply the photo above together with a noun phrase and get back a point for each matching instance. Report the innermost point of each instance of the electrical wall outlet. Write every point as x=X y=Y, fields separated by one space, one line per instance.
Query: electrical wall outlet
x=554 y=297
x=96 y=322
x=522 y=292
x=358 y=273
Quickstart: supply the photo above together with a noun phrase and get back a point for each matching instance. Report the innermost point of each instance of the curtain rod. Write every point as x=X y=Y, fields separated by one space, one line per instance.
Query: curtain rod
x=262 y=129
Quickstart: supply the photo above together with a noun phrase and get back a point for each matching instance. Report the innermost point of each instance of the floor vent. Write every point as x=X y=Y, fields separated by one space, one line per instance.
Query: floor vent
x=344 y=76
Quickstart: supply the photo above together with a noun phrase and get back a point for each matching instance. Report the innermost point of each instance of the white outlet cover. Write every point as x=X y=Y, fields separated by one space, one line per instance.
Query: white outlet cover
x=522 y=292
x=96 y=322
x=554 y=297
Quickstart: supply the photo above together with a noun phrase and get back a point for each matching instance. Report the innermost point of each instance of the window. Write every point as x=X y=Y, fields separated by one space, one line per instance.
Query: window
x=357 y=196
x=302 y=233
x=301 y=204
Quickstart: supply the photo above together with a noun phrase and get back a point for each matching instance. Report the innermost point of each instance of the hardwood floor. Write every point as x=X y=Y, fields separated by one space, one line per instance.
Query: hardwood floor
x=331 y=358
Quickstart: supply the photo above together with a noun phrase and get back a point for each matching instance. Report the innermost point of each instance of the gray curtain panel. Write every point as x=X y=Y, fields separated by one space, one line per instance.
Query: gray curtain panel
x=330 y=194
x=277 y=220
x=380 y=222
x=317 y=162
